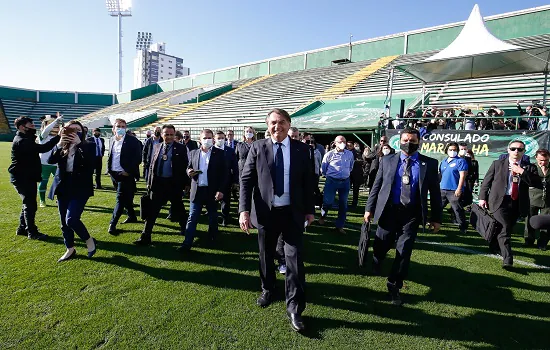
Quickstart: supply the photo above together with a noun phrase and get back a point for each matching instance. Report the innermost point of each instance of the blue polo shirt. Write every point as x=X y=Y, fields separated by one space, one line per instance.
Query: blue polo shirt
x=450 y=169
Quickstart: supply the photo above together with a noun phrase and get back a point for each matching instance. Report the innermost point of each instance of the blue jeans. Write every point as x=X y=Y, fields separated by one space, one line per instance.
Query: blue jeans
x=70 y=211
x=331 y=186
x=125 y=187
x=202 y=198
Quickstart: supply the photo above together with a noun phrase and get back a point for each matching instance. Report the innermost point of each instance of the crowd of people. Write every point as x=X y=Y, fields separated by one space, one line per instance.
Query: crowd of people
x=277 y=180
x=462 y=118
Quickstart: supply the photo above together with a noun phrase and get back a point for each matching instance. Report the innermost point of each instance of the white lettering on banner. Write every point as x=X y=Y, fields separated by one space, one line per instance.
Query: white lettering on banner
x=448 y=137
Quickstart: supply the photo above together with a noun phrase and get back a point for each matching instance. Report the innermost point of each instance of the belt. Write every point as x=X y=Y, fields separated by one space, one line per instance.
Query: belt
x=335 y=179
x=283 y=207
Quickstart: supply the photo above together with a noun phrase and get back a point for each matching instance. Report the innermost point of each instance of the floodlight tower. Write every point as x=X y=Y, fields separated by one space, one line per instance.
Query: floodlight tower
x=119 y=8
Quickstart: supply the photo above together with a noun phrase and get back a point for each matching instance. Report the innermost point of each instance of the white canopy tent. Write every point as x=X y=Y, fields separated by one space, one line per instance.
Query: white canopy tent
x=476 y=53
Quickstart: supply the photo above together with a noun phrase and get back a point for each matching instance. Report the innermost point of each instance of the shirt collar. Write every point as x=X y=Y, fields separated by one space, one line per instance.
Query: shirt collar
x=285 y=142
x=207 y=152
x=413 y=157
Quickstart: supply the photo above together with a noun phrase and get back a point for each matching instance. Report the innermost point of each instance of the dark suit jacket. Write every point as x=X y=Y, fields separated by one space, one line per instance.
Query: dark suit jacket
x=217 y=172
x=380 y=193
x=101 y=140
x=232 y=166
x=495 y=185
x=179 y=166
x=256 y=192
x=81 y=185
x=25 y=160
x=147 y=148
x=191 y=145
x=130 y=155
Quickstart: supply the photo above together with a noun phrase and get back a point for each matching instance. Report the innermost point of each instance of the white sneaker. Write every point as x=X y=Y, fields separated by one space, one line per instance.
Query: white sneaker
x=42 y=204
x=282 y=269
x=323 y=212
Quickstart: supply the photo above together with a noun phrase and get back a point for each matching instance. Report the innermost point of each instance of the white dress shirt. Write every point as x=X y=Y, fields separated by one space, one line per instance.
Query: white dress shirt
x=115 y=154
x=285 y=198
x=509 y=189
x=70 y=159
x=204 y=160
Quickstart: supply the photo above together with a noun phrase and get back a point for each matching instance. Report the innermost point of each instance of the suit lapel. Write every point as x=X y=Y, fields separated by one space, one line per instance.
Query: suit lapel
x=393 y=168
x=422 y=165
x=268 y=149
x=294 y=157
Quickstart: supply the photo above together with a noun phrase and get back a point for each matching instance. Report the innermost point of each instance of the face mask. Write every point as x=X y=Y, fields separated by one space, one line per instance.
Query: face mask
x=341 y=145
x=220 y=143
x=185 y=137
x=79 y=134
x=97 y=135
x=462 y=152
x=249 y=135
x=357 y=148
x=409 y=147
x=207 y=143
x=30 y=131
x=452 y=154
x=121 y=131
x=385 y=152
x=157 y=133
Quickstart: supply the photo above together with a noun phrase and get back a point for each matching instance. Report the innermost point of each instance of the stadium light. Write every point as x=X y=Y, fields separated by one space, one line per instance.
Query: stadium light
x=144 y=40
x=119 y=8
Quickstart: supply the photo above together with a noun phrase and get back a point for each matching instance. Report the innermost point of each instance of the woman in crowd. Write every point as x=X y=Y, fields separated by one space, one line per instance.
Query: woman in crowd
x=384 y=151
x=473 y=173
x=73 y=185
x=48 y=130
x=243 y=147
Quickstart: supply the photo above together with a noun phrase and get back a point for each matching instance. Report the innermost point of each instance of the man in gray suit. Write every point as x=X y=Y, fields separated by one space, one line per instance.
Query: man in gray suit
x=276 y=196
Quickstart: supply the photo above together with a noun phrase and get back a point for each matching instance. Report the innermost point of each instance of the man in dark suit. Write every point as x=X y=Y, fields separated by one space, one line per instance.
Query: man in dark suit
x=166 y=180
x=99 y=143
x=208 y=173
x=398 y=200
x=231 y=142
x=155 y=139
x=123 y=165
x=276 y=196
x=505 y=192
x=232 y=173
x=26 y=171
x=190 y=144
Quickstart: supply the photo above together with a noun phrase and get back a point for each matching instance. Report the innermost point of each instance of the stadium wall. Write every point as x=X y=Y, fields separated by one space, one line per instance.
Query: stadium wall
x=66 y=97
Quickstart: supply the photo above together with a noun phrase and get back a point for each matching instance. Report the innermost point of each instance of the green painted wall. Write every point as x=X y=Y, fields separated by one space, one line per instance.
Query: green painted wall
x=95 y=99
x=289 y=64
x=377 y=49
x=203 y=79
x=518 y=26
x=183 y=83
x=324 y=58
x=145 y=91
x=56 y=97
x=434 y=40
x=226 y=75
x=9 y=93
x=165 y=86
x=253 y=70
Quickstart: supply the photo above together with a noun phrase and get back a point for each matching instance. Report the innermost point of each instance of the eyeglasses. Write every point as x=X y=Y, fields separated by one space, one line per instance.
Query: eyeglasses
x=519 y=149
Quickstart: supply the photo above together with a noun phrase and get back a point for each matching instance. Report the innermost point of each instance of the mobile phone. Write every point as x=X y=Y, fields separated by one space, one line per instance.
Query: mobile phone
x=198 y=172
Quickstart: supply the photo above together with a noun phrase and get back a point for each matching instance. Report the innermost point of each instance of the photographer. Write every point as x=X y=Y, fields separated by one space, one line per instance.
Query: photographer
x=534 y=110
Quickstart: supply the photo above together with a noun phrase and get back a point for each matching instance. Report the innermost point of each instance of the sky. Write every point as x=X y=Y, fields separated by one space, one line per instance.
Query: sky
x=72 y=45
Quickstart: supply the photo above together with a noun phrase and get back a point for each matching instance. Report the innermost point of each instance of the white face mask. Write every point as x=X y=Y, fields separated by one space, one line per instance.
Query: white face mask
x=121 y=131
x=207 y=143
x=249 y=135
x=385 y=152
x=357 y=148
x=452 y=154
x=341 y=145
x=462 y=152
x=220 y=143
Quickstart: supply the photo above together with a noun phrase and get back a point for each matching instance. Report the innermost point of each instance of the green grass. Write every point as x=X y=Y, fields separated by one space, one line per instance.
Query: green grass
x=149 y=298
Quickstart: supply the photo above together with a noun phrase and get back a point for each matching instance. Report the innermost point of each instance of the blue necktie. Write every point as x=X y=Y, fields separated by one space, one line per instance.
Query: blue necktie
x=279 y=171
x=98 y=151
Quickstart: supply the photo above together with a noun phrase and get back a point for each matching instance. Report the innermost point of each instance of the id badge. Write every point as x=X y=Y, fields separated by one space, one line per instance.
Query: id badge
x=164 y=157
x=406 y=180
x=515 y=179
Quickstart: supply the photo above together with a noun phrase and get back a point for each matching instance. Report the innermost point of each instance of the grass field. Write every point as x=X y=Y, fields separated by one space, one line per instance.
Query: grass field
x=149 y=298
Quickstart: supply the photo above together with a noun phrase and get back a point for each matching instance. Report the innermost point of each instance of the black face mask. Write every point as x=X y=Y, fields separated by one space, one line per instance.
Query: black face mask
x=97 y=135
x=409 y=147
x=185 y=137
x=157 y=133
x=30 y=131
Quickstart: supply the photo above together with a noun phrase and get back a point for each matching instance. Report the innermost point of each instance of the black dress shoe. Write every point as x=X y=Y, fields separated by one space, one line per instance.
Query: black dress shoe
x=144 y=240
x=376 y=270
x=21 y=231
x=265 y=299
x=296 y=322
x=183 y=249
x=113 y=230
x=130 y=220
x=37 y=236
x=507 y=266
x=395 y=295
x=98 y=187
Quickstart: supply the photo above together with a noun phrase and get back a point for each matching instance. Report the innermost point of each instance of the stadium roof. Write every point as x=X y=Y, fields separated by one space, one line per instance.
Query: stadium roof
x=476 y=53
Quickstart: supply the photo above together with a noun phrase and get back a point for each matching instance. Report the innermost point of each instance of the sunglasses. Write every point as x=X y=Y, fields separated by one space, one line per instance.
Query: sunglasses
x=519 y=149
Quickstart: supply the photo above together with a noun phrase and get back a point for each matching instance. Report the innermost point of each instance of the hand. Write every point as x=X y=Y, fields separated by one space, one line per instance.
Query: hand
x=309 y=219
x=516 y=169
x=192 y=173
x=458 y=192
x=244 y=222
x=368 y=216
x=482 y=203
x=436 y=226
x=219 y=196
x=123 y=173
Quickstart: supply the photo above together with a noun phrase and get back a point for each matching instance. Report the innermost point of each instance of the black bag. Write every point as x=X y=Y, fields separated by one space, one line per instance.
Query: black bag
x=484 y=223
x=145 y=206
x=364 y=241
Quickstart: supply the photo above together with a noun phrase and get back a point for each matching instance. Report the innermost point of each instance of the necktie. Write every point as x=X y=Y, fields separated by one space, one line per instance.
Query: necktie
x=98 y=149
x=405 y=197
x=164 y=153
x=279 y=171
x=515 y=186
